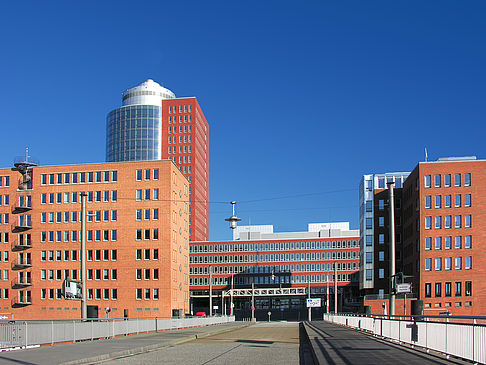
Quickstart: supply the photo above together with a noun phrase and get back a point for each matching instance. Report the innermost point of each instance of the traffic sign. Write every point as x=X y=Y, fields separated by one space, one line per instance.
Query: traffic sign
x=403 y=288
x=313 y=302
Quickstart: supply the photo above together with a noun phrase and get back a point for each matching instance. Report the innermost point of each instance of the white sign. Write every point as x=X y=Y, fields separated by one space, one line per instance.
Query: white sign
x=72 y=290
x=403 y=288
x=313 y=302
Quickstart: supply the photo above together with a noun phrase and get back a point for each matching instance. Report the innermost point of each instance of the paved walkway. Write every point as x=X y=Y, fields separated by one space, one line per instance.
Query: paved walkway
x=93 y=351
x=333 y=344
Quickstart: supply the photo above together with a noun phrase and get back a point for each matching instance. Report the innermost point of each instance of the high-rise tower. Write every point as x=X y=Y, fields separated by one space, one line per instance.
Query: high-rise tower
x=153 y=124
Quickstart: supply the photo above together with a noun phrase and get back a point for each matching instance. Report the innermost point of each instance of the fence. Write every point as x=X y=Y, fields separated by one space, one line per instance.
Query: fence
x=20 y=333
x=449 y=335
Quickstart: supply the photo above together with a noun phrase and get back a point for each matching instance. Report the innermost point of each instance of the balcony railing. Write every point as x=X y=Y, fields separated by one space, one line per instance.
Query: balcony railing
x=21 y=264
x=21 y=301
x=22 y=205
x=21 y=226
x=21 y=282
x=19 y=245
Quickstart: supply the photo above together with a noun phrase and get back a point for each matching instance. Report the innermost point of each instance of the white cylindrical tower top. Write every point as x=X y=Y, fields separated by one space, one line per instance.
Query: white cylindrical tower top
x=147 y=93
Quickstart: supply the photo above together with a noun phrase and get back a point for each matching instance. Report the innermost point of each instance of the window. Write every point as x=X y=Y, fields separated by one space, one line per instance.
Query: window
x=447 y=180
x=147 y=174
x=467 y=200
x=155 y=194
x=139 y=294
x=457 y=179
x=467 y=179
x=468 y=263
x=381 y=238
x=437 y=181
x=381 y=255
x=381 y=221
x=468 y=288
x=139 y=194
x=156 y=174
x=369 y=240
x=438 y=263
x=458 y=289
x=381 y=273
x=438 y=222
x=427 y=181
x=467 y=221
x=448 y=263
x=438 y=290
x=467 y=241
x=369 y=274
x=458 y=263
x=447 y=201
x=448 y=243
x=438 y=201
x=146 y=214
x=428 y=243
x=438 y=243
x=457 y=221
x=448 y=289
x=139 y=175
x=428 y=222
x=369 y=223
x=147 y=194
x=369 y=257
x=428 y=290
x=428 y=201
x=139 y=214
x=457 y=200
x=448 y=221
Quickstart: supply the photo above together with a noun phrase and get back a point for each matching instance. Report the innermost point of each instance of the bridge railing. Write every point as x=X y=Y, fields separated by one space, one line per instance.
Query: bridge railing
x=32 y=332
x=460 y=336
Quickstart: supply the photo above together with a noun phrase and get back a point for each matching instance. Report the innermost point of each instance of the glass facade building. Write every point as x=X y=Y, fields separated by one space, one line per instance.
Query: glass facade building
x=134 y=131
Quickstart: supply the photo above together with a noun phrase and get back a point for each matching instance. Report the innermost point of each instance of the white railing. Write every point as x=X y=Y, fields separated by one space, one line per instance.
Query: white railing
x=459 y=336
x=25 y=333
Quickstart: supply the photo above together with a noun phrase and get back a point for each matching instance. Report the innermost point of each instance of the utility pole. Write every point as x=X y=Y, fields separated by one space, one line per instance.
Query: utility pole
x=231 y=297
x=210 y=291
x=327 y=295
x=335 y=289
x=308 y=296
x=253 y=302
x=392 y=246
x=84 y=306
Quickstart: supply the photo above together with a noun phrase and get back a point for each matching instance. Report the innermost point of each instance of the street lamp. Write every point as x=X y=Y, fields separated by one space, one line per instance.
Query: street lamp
x=233 y=219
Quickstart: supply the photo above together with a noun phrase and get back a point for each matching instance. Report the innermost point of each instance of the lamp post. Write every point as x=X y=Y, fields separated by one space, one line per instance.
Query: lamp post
x=84 y=306
x=392 y=247
x=233 y=219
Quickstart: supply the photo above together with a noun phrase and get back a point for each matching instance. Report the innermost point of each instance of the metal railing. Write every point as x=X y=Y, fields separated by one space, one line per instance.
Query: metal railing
x=24 y=333
x=460 y=336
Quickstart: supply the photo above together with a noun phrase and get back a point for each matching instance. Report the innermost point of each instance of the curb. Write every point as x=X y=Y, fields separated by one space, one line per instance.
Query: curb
x=143 y=349
x=313 y=352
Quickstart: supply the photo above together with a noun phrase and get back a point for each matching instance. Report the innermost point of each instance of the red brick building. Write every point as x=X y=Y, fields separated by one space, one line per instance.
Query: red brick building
x=137 y=239
x=440 y=216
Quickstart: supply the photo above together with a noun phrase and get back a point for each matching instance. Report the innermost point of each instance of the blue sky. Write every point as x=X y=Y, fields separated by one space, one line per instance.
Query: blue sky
x=302 y=98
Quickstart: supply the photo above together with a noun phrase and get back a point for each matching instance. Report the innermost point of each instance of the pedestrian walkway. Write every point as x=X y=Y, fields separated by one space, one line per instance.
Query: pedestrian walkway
x=336 y=345
x=92 y=351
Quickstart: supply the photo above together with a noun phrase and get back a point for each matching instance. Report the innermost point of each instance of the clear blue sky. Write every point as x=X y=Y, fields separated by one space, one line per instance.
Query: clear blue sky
x=302 y=98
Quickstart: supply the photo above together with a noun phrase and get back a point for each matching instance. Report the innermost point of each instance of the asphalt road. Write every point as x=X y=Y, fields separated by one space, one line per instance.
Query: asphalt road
x=262 y=343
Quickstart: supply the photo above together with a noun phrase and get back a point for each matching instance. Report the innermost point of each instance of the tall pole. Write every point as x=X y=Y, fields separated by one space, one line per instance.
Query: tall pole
x=253 y=302
x=309 y=314
x=392 y=247
x=231 y=296
x=327 y=295
x=335 y=289
x=210 y=291
x=84 y=306
x=223 y=307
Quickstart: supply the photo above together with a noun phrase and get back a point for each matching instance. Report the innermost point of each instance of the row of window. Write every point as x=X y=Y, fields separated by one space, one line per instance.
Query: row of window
x=4 y=181
x=273 y=246
x=182 y=149
x=458 y=289
x=381 y=239
x=4 y=200
x=309 y=256
x=148 y=254
x=147 y=214
x=147 y=194
x=447 y=180
x=148 y=274
x=75 y=197
x=273 y=269
x=72 y=236
x=447 y=241
x=145 y=234
x=186 y=108
x=72 y=255
x=458 y=263
x=96 y=294
x=294 y=279
x=182 y=129
x=147 y=174
x=73 y=217
x=447 y=221
x=458 y=201
x=79 y=177
x=182 y=139
x=146 y=293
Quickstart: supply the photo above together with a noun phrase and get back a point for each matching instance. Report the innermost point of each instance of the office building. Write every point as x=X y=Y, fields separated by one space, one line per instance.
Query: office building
x=137 y=234
x=442 y=217
x=283 y=263
x=153 y=124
